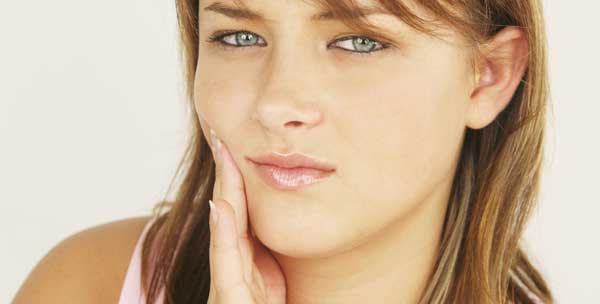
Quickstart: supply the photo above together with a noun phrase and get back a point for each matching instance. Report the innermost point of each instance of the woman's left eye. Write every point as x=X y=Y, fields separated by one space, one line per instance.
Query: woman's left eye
x=363 y=45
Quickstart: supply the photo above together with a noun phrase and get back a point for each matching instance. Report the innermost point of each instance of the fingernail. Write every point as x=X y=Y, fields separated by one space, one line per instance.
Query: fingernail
x=213 y=211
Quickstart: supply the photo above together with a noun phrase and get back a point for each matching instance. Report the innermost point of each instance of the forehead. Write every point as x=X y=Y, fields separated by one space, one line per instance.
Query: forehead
x=261 y=10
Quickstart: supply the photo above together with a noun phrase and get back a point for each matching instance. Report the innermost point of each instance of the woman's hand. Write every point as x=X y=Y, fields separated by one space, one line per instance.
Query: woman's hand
x=242 y=270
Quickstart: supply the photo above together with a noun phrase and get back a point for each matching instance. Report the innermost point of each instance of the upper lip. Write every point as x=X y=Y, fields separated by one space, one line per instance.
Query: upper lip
x=294 y=160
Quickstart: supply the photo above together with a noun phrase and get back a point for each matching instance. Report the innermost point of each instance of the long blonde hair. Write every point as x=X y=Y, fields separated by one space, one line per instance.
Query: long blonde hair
x=495 y=186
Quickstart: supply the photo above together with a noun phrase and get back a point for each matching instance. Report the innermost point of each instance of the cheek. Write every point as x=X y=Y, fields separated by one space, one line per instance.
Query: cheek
x=406 y=137
x=219 y=100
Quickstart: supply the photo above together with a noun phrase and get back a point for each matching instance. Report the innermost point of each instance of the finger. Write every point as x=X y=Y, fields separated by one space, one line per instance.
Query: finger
x=231 y=184
x=212 y=292
x=211 y=267
x=217 y=183
x=225 y=258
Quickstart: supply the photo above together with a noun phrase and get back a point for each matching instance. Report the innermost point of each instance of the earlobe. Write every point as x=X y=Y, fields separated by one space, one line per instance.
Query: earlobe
x=499 y=74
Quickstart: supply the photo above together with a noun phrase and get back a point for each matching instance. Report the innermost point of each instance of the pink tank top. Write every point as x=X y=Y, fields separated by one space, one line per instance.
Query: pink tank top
x=131 y=292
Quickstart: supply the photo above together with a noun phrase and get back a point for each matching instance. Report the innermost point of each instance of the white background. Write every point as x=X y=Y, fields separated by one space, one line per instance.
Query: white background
x=92 y=125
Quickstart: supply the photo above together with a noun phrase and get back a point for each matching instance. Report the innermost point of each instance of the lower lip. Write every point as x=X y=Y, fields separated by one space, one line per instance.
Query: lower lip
x=290 y=178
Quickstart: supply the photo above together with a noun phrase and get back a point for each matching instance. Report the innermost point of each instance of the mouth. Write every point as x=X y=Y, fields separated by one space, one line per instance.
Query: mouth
x=290 y=171
x=289 y=178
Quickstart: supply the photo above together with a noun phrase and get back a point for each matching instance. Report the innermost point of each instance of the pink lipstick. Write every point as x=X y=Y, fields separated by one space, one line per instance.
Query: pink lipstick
x=290 y=172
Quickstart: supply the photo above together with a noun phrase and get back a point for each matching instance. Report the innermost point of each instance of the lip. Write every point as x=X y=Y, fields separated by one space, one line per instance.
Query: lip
x=290 y=172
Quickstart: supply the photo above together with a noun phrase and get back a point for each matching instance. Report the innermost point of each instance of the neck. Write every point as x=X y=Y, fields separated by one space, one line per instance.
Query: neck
x=393 y=266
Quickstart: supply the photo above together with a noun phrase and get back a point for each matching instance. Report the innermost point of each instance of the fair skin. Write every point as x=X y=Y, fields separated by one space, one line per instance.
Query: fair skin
x=86 y=267
x=392 y=123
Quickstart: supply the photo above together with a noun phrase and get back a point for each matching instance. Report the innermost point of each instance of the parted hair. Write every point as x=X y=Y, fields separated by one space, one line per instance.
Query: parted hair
x=495 y=188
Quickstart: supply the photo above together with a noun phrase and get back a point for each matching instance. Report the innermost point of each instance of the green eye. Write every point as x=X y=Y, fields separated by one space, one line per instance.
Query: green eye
x=238 y=39
x=359 y=45
x=246 y=38
x=363 y=44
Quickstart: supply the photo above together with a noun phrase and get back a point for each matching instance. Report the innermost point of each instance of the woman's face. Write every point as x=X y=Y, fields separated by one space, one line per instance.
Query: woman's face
x=391 y=122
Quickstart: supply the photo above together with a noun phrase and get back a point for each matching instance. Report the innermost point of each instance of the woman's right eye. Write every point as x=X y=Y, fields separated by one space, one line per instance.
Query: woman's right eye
x=235 y=40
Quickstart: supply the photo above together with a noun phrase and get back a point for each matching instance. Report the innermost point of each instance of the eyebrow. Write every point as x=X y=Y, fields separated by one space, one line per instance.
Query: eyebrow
x=250 y=15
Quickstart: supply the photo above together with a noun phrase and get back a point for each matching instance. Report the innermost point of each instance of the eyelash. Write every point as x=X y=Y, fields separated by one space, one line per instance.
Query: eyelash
x=217 y=38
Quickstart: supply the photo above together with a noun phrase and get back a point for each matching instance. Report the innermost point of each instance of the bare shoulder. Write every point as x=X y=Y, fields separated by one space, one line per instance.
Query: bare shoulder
x=88 y=266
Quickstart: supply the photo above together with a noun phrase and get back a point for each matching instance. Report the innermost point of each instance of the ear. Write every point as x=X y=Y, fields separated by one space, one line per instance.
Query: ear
x=501 y=68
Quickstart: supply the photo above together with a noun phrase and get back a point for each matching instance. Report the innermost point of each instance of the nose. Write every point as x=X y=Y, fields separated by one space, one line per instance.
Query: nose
x=288 y=99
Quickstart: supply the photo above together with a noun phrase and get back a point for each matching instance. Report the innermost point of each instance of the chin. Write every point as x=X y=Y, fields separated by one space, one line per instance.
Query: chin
x=302 y=238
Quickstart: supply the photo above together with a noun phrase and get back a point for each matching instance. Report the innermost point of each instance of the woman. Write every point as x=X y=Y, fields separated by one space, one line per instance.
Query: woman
x=420 y=130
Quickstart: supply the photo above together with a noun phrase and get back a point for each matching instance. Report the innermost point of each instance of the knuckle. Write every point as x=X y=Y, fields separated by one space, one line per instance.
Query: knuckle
x=227 y=247
x=220 y=247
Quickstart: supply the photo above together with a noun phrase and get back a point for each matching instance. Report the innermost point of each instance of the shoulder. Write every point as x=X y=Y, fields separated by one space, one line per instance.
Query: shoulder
x=88 y=266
